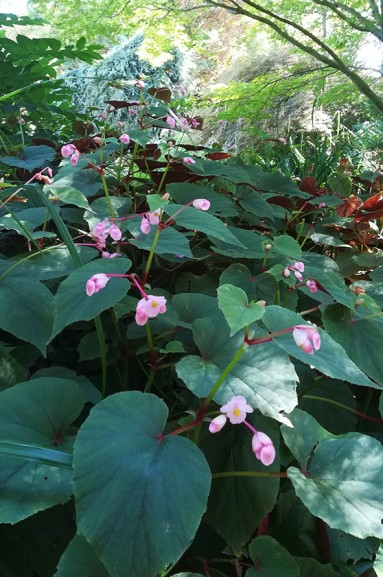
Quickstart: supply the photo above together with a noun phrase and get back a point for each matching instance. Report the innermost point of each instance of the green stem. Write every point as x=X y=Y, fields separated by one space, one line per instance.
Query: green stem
x=151 y=254
x=345 y=407
x=108 y=200
x=223 y=375
x=149 y=383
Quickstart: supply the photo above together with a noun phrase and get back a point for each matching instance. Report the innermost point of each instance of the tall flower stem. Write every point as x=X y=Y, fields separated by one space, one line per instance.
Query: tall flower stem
x=151 y=254
x=223 y=376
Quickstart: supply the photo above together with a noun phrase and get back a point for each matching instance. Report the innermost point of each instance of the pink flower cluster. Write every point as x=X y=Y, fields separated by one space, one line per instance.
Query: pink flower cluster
x=149 y=307
x=101 y=231
x=298 y=267
x=149 y=219
x=235 y=410
x=96 y=283
x=70 y=150
x=307 y=338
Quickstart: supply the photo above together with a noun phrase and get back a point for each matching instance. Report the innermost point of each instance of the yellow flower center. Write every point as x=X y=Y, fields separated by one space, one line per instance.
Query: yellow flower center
x=154 y=304
x=237 y=412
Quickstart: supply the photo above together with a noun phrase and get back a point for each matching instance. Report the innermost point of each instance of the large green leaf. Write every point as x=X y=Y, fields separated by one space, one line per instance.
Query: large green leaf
x=341 y=476
x=73 y=304
x=171 y=242
x=196 y=220
x=237 y=505
x=184 y=193
x=271 y=559
x=311 y=567
x=274 y=182
x=51 y=264
x=331 y=358
x=362 y=339
x=286 y=245
x=32 y=157
x=31 y=304
x=139 y=496
x=236 y=308
x=36 y=414
x=263 y=375
x=185 y=308
x=79 y=559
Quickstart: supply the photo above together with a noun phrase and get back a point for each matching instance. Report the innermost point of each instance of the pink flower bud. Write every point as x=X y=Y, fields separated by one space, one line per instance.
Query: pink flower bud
x=170 y=121
x=217 y=423
x=115 y=232
x=145 y=226
x=201 y=204
x=263 y=448
x=97 y=140
x=124 y=138
x=96 y=283
x=74 y=158
x=165 y=197
x=67 y=150
x=307 y=338
x=311 y=285
x=286 y=272
x=140 y=84
x=188 y=161
x=282 y=140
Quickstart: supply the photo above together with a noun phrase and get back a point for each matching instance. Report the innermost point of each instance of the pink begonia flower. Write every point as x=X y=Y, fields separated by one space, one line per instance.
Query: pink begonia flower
x=140 y=84
x=188 y=161
x=170 y=121
x=74 y=158
x=236 y=409
x=307 y=338
x=298 y=266
x=145 y=226
x=120 y=124
x=263 y=448
x=282 y=140
x=201 y=204
x=149 y=307
x=311 y=285
x=96 y=283
x=154 y=218
x=195 y=123
x=124 y=138
x=44 y=178
x=115 y=232
x=286 y=272
x=67 y=150
x=322 y=205
x=217 y=423
x=97 y=140
x=131 y=110
x=184 y=123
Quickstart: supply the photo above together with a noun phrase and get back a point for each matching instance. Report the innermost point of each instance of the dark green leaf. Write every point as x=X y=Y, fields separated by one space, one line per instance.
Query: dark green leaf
x=36 y=413
x=271 y=559
x=156 y=488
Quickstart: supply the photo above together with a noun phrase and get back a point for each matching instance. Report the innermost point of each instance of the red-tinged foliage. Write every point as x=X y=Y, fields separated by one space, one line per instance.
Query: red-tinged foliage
x=123 y=103
x=348 y=206
x=310 y=185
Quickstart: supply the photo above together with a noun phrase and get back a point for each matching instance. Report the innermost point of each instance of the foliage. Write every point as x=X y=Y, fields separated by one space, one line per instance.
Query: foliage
x=115 y=79
x=161 y=292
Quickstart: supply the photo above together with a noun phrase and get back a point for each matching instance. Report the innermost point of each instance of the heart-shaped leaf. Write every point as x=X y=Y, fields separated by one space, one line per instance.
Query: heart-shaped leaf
x=155 y=487
x=235 y=306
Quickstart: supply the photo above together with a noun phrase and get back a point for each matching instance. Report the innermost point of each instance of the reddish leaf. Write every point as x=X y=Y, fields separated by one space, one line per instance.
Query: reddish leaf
x=43 y=141
x=123 y=103
x=309 y=185
x=162 y=93
x=374 y=203
x=348 y=206
x=218 y=156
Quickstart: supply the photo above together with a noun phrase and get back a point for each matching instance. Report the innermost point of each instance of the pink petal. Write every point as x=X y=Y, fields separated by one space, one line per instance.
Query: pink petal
x=267 y=455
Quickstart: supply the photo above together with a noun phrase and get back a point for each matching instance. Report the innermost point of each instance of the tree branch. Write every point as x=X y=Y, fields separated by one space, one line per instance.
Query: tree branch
x=367 y=25
x=335 y=61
